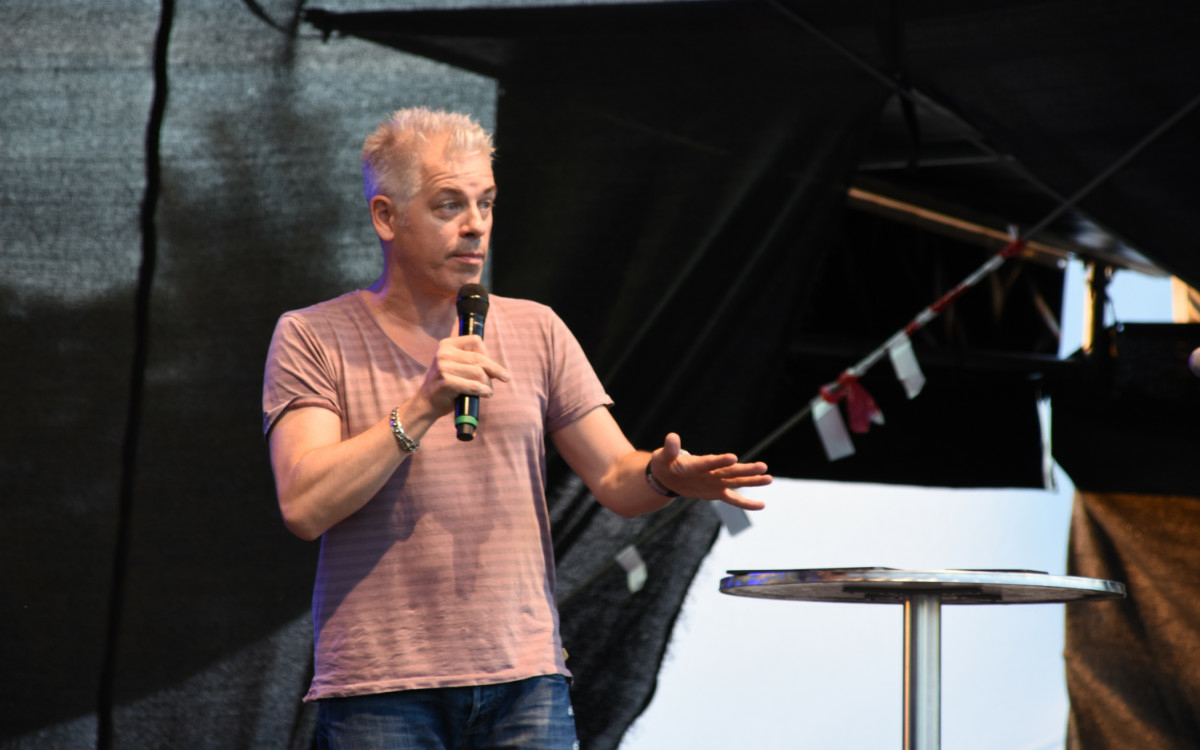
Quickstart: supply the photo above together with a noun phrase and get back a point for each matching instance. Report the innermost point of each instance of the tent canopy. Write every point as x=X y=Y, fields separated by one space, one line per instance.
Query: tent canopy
x=999 y=110
x=673 y=153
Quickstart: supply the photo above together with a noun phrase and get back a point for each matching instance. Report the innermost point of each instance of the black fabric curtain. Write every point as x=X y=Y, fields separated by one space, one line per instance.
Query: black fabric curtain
x=256 y=209
x=682 y=273
x=133 y=466
x=174 y=176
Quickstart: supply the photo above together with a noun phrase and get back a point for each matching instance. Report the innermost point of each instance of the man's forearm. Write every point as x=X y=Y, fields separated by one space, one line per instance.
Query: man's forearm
x=625 y=490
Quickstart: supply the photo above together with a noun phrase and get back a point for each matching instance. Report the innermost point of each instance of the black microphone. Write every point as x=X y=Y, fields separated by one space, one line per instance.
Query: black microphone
x=472 y=309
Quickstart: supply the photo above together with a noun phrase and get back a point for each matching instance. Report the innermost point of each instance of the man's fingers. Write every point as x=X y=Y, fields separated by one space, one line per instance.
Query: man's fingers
x=466 y=357
x=672 y=447
x=732 y=471
x=738 y=500
x=751 y=480
x=715 y=463
x=479 y=355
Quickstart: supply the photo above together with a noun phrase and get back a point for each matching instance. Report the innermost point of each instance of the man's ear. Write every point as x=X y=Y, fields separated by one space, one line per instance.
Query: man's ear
x=383 y=216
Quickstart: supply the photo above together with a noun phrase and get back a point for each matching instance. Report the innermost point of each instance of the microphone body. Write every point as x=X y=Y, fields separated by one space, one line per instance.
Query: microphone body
x=472 y=309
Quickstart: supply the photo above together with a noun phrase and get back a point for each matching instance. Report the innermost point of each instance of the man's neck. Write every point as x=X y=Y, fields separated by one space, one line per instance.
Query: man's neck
x=414 y=308
x=414 y=327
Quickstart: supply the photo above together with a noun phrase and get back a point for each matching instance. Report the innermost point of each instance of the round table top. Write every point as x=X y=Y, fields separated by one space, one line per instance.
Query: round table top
x=892 y=586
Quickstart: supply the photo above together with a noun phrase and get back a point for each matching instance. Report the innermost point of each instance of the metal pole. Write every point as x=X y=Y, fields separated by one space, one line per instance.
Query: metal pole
x=922 y=672
x=1096 y=340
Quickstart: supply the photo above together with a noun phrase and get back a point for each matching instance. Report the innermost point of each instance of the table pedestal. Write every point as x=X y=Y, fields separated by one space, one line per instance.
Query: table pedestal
x=922 y=671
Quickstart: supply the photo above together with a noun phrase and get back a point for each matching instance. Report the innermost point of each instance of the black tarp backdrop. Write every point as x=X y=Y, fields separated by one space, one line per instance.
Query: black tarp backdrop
x=76 y=93
x=727 y=212
x=615 y=188
x=259 y=211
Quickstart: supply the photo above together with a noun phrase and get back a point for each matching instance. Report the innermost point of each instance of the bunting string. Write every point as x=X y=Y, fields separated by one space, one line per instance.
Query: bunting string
x=824 y=407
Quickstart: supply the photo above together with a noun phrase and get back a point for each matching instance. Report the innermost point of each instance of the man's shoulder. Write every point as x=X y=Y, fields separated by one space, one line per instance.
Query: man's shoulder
x=327 y=311
x=336 y=306
x=518 y=306
x=325 y=323
x=524 y=312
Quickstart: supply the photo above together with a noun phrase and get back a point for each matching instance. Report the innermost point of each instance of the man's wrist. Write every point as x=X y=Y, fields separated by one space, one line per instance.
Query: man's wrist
x=406 y=443
x=656 y=485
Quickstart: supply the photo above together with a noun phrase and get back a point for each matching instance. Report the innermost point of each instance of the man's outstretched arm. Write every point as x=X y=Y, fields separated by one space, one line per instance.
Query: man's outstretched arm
x=597 y=450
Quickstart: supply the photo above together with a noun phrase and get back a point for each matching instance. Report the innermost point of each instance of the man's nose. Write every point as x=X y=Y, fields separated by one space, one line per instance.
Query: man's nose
x=475 y=223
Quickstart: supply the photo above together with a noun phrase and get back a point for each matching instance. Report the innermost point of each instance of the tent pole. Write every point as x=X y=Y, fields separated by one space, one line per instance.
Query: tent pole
x=1096 y=339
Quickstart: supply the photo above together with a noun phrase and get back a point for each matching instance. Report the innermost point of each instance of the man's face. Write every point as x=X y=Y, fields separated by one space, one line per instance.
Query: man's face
x=441 y=237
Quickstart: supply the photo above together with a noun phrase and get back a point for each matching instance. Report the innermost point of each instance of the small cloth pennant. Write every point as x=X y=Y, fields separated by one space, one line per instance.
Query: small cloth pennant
x=831 y=429
x=734 y=519
x=904 y=362
x=860 y=406
x=635 y=568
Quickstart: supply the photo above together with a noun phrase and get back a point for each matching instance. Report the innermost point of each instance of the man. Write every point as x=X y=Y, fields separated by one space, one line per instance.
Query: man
x=434 y=616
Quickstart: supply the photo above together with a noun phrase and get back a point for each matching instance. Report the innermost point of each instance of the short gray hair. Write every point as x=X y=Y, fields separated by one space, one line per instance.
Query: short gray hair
x=391 y=155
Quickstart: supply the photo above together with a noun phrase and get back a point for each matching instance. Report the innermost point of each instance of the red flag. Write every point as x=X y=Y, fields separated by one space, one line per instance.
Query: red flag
x=861 y=408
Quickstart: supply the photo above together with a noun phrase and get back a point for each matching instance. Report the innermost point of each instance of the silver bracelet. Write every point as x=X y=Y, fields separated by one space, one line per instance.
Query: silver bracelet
x=407 y=444
x=656 y=485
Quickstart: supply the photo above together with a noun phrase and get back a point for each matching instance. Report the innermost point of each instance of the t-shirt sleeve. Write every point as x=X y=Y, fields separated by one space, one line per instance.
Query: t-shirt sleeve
x=298 y=372
x=575 y=387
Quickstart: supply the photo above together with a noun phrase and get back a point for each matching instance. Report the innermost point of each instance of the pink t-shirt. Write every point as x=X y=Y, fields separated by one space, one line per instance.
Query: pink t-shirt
x=446 y=576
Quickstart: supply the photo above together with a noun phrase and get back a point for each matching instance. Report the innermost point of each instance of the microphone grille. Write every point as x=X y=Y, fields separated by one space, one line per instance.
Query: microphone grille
x=472 y=300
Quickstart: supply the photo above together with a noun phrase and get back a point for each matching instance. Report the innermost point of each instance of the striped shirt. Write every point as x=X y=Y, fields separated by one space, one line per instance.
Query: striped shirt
x=446 y=576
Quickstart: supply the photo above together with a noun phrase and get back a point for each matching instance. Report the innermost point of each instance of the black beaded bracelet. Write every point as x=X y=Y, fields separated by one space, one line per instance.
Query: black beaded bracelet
x=656 y=485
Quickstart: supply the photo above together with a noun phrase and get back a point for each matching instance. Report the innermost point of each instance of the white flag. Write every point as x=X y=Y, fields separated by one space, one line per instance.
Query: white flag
x=635 y=568
x=904 y=361
x=831 y=429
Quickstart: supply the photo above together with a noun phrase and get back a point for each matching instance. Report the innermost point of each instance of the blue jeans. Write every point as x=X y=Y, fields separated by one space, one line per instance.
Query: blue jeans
x=533 y=714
